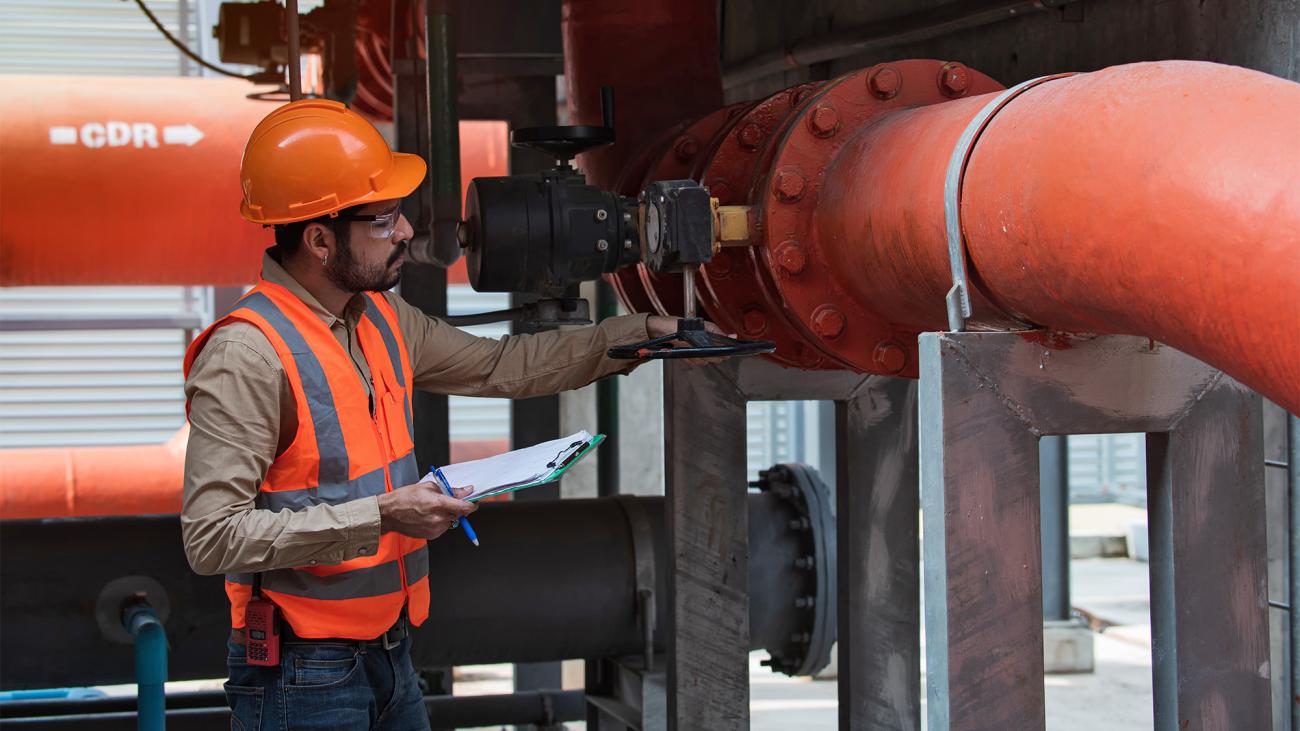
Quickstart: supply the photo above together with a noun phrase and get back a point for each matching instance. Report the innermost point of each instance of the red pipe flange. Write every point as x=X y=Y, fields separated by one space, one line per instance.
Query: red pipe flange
x=817 y=301
x=681 y=158
x=735 y=287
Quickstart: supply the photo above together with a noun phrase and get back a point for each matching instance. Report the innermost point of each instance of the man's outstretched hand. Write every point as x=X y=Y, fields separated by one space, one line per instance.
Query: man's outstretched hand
x=422 y=510
x=658 y=326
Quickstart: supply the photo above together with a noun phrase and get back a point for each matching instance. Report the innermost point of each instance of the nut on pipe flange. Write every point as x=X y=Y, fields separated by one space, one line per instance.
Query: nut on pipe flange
x=750 y=136
x=791 y=258
x=824 y=120
x=789 y=185
x=954 y=79
x=885 y=82
x=829 y=322
x=890 y=356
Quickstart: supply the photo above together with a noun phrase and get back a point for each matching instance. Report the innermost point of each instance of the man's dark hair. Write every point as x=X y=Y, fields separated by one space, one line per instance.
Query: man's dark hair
x=288 y=236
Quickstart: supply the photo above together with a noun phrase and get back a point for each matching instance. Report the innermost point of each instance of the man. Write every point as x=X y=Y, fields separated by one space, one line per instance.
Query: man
x=300 y=477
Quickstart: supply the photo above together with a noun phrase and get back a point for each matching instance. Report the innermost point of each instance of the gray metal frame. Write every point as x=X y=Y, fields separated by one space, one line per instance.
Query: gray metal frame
x=985 y=400
x=707 y=679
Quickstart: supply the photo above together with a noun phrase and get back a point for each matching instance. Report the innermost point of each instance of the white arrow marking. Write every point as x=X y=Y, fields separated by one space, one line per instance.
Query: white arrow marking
x=186 y=134
x=63 y=135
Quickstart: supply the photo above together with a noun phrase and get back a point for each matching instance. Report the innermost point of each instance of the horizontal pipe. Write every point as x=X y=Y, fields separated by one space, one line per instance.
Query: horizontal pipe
x=84 y=482
x=95 y=147
x=536 y=707
x=1153 y=199
x=563 y=585
x=889 y=32
x=574 y=562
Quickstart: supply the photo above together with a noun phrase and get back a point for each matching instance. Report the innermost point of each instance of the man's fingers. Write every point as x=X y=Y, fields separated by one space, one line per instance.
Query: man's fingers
x=463 y=492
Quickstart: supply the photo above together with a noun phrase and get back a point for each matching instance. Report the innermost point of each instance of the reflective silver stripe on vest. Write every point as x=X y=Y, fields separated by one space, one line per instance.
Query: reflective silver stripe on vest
x=394 y=354
x=384 y=578
x=417 y=565
x=320 y=400
x=405 y=471
x=370 y=581
x=402 y=472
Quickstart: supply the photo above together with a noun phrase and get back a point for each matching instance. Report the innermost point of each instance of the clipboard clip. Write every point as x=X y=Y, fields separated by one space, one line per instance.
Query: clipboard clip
x=573 y=450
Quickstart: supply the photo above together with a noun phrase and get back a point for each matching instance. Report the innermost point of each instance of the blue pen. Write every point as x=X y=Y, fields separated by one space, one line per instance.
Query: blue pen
x=463 y=521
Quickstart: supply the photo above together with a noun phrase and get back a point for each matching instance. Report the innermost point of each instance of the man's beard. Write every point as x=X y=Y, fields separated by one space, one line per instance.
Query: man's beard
x=351 y=275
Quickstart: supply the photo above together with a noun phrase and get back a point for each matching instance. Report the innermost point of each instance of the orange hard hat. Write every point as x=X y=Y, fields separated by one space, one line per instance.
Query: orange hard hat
x=315 y=157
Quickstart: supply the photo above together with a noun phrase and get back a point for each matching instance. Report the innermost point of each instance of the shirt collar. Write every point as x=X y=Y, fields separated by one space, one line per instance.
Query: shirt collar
x=274 y=272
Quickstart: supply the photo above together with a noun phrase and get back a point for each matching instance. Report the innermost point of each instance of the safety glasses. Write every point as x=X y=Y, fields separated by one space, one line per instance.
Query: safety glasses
x=383 y=224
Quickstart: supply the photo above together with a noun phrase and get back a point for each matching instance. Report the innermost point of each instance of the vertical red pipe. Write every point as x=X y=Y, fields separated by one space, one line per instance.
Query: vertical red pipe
x=1156 y=199
x=661 y=58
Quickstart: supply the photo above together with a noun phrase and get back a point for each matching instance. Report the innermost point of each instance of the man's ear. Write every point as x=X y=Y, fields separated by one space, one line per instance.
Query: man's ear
x=318 y=241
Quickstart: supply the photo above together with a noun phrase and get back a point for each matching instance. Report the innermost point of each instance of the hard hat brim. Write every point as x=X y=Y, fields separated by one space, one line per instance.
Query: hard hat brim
x=408 y=171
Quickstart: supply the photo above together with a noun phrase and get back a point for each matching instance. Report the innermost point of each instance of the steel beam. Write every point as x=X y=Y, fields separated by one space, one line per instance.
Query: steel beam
x=985 y=400
x=707 y=622
x=879 y=572
x=1054 y=508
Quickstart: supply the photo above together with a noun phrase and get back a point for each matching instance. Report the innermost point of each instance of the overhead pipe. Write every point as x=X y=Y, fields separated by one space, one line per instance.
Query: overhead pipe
x=135 y=181
x=1153 y=199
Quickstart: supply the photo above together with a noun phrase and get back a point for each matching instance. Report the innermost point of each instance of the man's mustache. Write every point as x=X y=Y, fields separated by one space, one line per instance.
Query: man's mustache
x=398 y=250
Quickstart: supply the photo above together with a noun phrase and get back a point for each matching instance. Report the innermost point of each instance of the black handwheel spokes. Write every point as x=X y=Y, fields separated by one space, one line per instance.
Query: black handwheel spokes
x=700 y=343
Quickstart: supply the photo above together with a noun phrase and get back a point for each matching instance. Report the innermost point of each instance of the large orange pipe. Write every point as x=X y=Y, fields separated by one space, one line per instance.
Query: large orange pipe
x=83 y=482
x=1154 y=199
x=136 y=180
x=86 y=481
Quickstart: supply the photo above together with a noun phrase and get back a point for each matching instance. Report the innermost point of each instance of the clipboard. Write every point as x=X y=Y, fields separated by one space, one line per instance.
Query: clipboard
x=541 y=472
x=558 y=472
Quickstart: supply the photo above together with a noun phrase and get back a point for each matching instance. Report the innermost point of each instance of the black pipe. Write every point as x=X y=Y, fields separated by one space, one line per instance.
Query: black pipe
x=295 y=58
x=542 y=708
x=607 y=464
x=911 y=28
x=571 y=590
x=442 y=247
x=551 y=581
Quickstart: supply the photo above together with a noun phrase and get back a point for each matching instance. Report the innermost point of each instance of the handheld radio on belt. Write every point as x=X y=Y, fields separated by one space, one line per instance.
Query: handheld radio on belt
x=262 y=628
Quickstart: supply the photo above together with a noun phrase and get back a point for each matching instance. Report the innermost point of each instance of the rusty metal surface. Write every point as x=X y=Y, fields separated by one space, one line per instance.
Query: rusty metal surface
x=708 y=620
x=879 y=558
x=985 y=399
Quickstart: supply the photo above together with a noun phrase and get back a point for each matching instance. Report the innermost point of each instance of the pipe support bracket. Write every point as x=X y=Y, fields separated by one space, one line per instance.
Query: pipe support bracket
x=958 y=297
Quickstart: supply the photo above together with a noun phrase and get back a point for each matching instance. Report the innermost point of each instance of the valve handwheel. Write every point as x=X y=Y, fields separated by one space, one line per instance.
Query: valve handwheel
x=700 y=343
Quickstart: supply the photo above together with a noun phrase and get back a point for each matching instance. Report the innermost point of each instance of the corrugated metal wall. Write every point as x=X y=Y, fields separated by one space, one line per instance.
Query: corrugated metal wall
x=61 y=386
x=91 y=37
x=71 y=385
x=1108 y=468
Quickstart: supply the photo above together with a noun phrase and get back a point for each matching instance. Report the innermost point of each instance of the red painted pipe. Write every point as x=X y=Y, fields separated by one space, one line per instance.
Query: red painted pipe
x=660 y=57
x=662 y=60
x=1155 y=199
x=83 y=482
x=136 y=180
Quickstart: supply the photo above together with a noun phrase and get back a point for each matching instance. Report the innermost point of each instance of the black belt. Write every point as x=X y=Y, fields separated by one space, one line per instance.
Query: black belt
x=388 y=640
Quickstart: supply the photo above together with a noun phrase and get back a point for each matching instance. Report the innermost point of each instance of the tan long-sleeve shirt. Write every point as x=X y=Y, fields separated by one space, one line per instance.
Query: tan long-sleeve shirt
x=242 y=415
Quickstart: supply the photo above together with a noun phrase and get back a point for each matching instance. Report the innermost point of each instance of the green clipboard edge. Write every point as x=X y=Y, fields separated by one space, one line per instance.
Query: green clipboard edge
x=557 y=474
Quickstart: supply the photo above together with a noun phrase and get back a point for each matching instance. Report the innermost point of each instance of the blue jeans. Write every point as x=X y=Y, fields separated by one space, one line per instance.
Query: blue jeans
x=332 y=686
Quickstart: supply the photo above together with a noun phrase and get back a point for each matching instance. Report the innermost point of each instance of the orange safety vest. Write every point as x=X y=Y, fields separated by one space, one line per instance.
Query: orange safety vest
x=341 y=452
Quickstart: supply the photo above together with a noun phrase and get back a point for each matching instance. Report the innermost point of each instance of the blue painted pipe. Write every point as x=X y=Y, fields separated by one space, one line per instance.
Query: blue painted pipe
x=150 y=666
